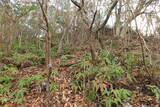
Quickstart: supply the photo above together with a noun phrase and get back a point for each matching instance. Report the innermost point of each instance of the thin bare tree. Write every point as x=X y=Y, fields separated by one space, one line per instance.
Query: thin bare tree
x=44 y=8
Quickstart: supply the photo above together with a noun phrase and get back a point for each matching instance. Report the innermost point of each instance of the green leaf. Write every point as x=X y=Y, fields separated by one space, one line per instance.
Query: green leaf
x=155 y=90
x=3 y=99
x=52 y=86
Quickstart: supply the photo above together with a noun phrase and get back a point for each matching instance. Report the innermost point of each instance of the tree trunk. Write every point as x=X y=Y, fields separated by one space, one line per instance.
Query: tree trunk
x=60 y=45
x=48 y=60
x=117 y=26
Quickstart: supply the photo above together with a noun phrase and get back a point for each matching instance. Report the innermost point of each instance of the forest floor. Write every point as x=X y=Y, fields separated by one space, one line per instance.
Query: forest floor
x=64 y=95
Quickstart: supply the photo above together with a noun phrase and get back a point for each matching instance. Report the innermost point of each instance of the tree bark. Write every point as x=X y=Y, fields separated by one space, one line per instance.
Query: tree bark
x=44 y=8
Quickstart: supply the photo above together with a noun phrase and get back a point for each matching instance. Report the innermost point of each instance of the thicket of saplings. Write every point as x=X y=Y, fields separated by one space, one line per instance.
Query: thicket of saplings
x=106 y=83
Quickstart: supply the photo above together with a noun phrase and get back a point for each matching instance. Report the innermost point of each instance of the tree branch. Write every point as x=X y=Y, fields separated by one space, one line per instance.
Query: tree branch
x=77 y=4
x=94 y=17
x=108 y=15
x=44 y=15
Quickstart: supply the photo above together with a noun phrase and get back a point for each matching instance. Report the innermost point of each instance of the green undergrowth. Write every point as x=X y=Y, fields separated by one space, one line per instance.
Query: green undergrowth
x=154 y=90
x=26 y=53
x=15 y=89
x=23 y=85
x=130 y=61
x=66 y=57
x=100 y=82
x=6 y=82
x=96 y=81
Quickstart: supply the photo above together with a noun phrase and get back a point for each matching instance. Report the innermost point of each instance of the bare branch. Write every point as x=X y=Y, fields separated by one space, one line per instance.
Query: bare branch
x=94 y=17
x=77 y=4
x=82 y=3
x=42 y=27
x=44 y=15
x=108 y=15
x=149 y=2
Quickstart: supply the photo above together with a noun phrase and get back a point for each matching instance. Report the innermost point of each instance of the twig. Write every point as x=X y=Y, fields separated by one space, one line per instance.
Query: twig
x=44 y=15
x=77 y=4
x=93 y=20
x=108 y=15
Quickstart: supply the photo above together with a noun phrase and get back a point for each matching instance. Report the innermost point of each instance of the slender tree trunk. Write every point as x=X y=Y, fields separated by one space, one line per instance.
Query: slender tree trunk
x=118 y=21
x=44 y=8
x=60 y=45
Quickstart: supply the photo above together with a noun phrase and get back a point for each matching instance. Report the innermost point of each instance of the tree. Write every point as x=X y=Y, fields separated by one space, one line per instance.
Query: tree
x=133 y=13
x=93 y=34
x=44 y=8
